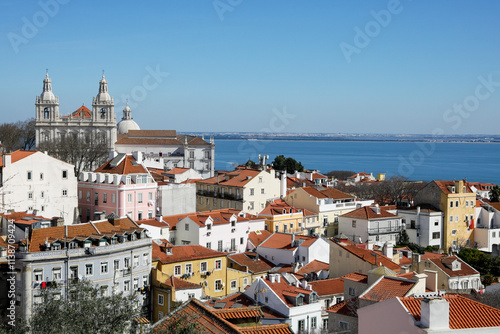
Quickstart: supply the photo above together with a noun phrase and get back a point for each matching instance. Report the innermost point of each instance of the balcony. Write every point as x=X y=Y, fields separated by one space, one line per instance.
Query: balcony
x=382 y=230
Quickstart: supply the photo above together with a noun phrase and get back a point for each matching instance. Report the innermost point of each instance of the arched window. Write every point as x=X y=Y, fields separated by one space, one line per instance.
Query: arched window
x=46 y=113
x=103 y=113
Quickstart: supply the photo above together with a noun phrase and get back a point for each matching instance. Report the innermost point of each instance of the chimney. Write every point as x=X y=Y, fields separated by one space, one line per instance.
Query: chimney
x=272 y=278
x=459 y=186
x=278 y=278
x=388 y=250
x=432 y=279
x=415 y=261
x=159 y=218
x=283 y=184
x=421 y=280
x=435 y=314
x=293 y=239
x=7 y=159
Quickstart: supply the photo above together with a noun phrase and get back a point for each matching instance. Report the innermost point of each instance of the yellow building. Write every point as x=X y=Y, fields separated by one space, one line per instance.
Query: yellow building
x=282 y=217
x=457 y=201
x=193 y=264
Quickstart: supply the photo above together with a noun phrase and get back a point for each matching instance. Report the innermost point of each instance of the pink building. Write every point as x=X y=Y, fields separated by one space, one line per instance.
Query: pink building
x=122 y=186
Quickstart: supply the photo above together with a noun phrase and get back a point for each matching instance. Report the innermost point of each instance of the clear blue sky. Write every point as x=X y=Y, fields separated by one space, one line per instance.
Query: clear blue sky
x=229 y=67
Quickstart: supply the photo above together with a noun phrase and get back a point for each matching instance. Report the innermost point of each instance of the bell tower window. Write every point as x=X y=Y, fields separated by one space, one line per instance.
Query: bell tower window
x=46 y=113
x=103 y=113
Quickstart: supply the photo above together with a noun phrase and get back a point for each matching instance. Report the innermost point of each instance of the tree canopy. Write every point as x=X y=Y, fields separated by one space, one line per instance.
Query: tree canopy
x=289 y=164
x=85 y=310
x=18 y=136
x=495 y=194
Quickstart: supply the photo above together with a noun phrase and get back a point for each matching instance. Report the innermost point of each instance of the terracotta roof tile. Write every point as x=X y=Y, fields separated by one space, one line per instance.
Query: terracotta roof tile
x=369 y=213
x=184 y=253
x=443 y=263
x=329 y=286
x=464 y=312
x=239 y=298
x=237 y=178
x=17 y=155
x=257 y=237
x=388 y=287
x=284 y=241
x=368 y=256
x=357 y=277
x=347 y=307
x=283 y=289
x=268 y=329
x=82 y=112
x=179 y=284
x=127 y=166
x=327 y=193
x=443 y=185
x=313 y=266
x=239 y=312
x=252 y=261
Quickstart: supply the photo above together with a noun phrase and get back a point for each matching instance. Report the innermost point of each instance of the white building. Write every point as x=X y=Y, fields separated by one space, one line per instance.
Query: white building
x=222 y=230
x=423 y=224
x=487 y=229
x=296 y=301
x=166 y=149
x=283 y=248
x=114 y=254
x=370 y=224
x=100 y=122
x=34 y=181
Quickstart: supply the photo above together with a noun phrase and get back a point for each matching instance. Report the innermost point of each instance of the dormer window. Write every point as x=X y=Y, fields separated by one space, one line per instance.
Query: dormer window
x=133 y=237
x=113 y=240
x=72 y=245
x=300 y=300
x=102 y=242
x=233 y=223
x=209 y=227
x=87 y=243
x=56 y=246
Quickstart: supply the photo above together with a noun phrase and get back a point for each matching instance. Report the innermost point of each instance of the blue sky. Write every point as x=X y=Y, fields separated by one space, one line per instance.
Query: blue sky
x=234 y=65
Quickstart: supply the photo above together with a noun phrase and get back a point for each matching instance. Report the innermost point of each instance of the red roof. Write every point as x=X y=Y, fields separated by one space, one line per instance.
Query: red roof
x=239 y=312
x=464 y=312
x=17 y=155
x=357 y=277
x=180 y=284
x=128 y=165
x=369 y=256
x=388 y=287
x=347 y=307
x=327 y=193
x=284 y=241
x=331 y=286
x=252 y=261
x=445 y=185
x=257 y=237
x=283 y=289
x=236 y=178
x=184 y=253
x=82 y=112
x=313 y=267
x=445 y=261
x=240 y=299
x=369 y=213
x=23 y=217
x=267 y=329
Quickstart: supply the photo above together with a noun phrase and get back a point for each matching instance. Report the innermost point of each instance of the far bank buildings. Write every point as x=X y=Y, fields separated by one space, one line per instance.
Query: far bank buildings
x=160 y=148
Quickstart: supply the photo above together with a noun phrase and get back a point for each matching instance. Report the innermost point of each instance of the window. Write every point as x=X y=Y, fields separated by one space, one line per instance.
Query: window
x=29 y=175
x=89 y=269
x=219 y=245
x=126 y=262
x=113 y=198
x=454 y=242
x=233 y=244
x=260 y=179
x=494 y=234
x=241 y=241
x=451 y=204
x=136 y=283
x=56 y=273
x=186 y=227
x=466 y=218
x=136 y=260
x=276 y=228
x=456 y=204
x=456 y=219
x=262 y=191
x=139 y=198
x=145 y=280
x=80 y=195
x=161 y=299
x=233 y=284
x=177 y=270
x=189 y=268
x=436 y=223
x=451 y=219
x=126 y=286
x=209 y=245
x=325 y=324
x=30 y=195
x=203 y=267
x=471 y=203
x=116 y=265
x=38 y=275
x=64 y=174
x=150 y=196
x=352 y=292
x=245 y=282
x=88 y=196
x=218 y=285
x=353 y=223
x=218 y=264
x=65 y=192
x=471 y=217
x=104 y=267
x=453 y=232
x=435 y=235
x=314 y=323
x=466 y=203
x=41 y=176
x=301 y=325
x=145 y=259
x=343 y=325
x=252 y=191
x=129 y=198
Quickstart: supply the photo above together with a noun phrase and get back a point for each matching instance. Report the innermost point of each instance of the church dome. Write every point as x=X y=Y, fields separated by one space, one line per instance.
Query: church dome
x=127 y=124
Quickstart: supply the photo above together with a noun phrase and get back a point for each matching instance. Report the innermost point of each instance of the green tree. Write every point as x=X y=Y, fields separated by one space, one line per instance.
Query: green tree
x=495 y=194
x=403 y=238
x=85 y=310
x=289 y=164
x=477 y=259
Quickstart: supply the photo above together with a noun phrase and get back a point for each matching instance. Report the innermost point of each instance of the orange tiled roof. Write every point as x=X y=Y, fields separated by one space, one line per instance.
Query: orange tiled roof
x=318 y=176
x=239 y=299
x=256 y=238
x=151 y=133
x=179 y=284
x=357 y=277
x=82 y=112
x=23 y=217
x=184 y=253
x=443 y=185
x=313 y=266
x=464 y=312
x=388 y=287
x=267 y=329
x=496 y=205
x=153 y=222
x=239 y=313
x=294 y=182
x=283 y=289
x=254 y=265
x=327 y=193
x=441 y=263
x=284 y=241
x=97 y=229
x=329 y=286
x=17 y=155
x=347 y=307
x=236 y=178
x=128 y=165
x=196 y=312
x=368 y=256
x=177 y=170
x=369 y=213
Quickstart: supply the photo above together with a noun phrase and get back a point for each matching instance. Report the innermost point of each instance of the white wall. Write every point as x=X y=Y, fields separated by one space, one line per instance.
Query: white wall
x=174 y=199
x=16 y=187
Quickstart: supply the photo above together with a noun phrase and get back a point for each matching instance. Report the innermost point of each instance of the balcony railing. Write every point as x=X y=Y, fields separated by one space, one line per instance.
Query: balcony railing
x=380 y=230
